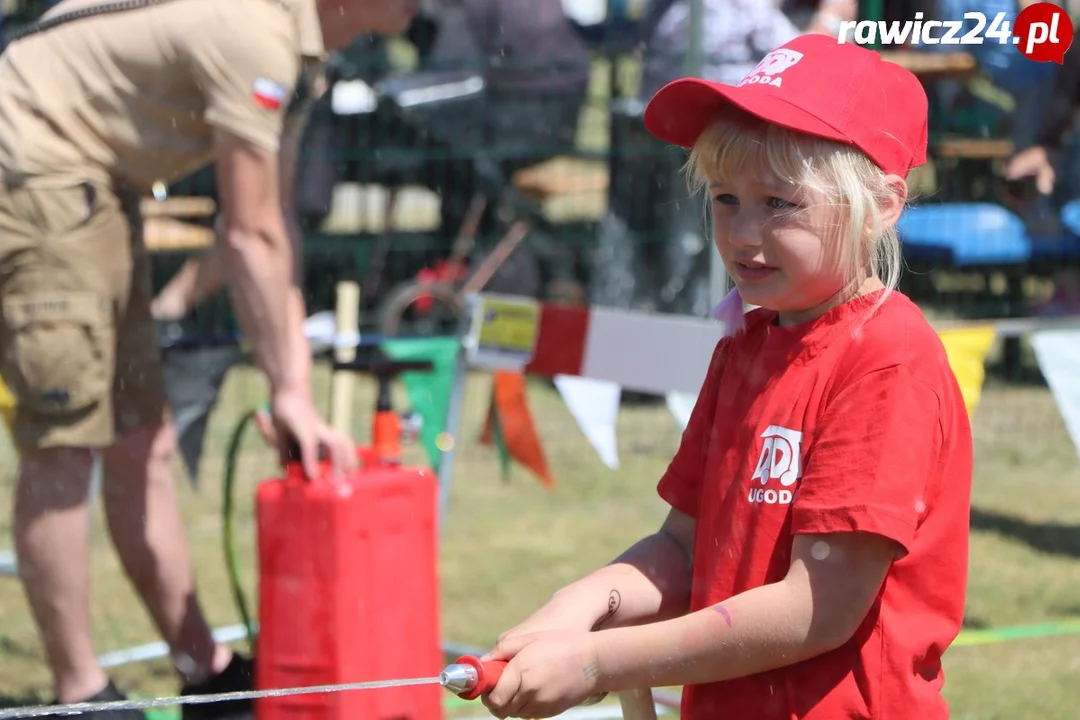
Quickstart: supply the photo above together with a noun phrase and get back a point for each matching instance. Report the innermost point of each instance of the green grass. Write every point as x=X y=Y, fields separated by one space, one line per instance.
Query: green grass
x=508 y=545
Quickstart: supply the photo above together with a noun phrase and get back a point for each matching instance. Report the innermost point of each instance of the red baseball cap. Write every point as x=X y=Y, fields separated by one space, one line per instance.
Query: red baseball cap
x=814 y=85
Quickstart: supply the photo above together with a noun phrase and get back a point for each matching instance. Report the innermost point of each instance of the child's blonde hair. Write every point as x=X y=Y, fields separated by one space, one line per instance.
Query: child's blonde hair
x=737 y=142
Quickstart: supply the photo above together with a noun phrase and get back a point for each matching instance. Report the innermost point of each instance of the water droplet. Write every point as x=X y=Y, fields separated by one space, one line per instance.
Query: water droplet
x=920 y=506
x=445 y=442
x=820 y=551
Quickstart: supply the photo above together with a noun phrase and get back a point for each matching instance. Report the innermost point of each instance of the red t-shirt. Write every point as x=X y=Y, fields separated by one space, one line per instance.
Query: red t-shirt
x=832 y=426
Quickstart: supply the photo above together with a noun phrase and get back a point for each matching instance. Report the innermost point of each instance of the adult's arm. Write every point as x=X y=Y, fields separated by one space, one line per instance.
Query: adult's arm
x=246 y=80
x=1062 y=104
x=258 y=259
x=288 y=161
x=203 y=275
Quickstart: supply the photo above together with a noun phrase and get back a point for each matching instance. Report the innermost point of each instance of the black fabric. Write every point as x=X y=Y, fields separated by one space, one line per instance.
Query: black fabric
x=193 y=380
x=109 y=694
x=238 y=676
x=318 y=167
x=525 y=45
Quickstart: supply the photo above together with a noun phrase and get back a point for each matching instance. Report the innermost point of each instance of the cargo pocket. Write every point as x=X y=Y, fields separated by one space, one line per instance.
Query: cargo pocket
x=59 y=354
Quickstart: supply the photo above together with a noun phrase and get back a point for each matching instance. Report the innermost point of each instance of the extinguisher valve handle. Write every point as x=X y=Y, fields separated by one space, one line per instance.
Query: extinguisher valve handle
x=469 y=677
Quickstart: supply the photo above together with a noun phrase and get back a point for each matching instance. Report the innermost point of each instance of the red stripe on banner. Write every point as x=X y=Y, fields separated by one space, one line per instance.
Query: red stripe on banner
x=560 y=341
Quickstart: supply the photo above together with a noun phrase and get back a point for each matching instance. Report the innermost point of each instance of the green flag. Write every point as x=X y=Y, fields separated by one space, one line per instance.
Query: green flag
x=500 y=441
x=429 y=392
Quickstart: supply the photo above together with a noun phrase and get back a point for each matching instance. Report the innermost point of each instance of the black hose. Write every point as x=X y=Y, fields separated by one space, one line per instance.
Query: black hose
x=231 y=457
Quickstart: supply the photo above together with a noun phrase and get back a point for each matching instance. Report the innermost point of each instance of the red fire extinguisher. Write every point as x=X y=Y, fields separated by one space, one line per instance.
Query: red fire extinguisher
x=348 y=578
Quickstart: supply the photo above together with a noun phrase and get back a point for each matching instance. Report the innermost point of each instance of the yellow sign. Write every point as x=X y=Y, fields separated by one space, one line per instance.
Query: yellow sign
x=504 y=331
x=967 y=349
x=7 y=406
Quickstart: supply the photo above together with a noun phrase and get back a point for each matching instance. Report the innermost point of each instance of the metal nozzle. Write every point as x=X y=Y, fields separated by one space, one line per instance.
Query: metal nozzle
x=459 y=677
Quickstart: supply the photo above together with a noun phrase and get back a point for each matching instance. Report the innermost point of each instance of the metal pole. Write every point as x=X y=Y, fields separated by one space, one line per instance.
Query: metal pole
x=695 y=59
x=453 y=411
x=695 y=67
x=872 y=10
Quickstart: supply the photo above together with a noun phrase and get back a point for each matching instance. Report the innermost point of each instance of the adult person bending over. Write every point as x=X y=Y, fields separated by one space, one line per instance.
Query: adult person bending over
x=92 y=112
x=1047 y=154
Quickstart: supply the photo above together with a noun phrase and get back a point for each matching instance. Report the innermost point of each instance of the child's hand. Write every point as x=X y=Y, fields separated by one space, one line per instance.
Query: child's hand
x=548 y=673
x=558 y=614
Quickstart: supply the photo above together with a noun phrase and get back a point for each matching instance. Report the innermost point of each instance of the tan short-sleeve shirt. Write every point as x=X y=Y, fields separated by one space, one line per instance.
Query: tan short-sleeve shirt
x=137 y=95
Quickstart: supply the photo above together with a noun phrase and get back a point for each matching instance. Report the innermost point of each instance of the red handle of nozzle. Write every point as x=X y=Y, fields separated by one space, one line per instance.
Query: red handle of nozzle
x=488 y=673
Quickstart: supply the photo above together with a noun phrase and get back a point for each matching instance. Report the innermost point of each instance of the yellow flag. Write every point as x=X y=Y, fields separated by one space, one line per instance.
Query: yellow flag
x=7 y=406
x=967 y=349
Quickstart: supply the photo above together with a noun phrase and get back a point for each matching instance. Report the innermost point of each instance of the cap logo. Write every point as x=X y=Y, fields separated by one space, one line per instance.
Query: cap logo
x=767 y=71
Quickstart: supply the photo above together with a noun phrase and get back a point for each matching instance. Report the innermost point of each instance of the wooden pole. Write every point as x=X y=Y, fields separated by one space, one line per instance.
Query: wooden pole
x=638 y=704
x=347 y=317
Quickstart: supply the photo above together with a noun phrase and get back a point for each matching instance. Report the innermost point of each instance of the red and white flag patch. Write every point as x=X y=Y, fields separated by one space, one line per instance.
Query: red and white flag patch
x=269 y=94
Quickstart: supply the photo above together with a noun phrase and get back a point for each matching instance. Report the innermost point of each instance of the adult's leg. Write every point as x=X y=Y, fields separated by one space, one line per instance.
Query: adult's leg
x=139 y=488
x=146 y=527
x=57 y=342
x=51 y=532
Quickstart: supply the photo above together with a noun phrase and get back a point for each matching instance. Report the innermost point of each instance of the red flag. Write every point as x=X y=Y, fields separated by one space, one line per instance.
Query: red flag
x=510 y=410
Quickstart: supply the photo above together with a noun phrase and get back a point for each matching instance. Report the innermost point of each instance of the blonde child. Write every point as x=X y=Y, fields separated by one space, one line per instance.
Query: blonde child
x=813 y=563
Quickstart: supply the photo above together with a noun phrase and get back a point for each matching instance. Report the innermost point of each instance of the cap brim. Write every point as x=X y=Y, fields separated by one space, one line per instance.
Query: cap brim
x=681 y=110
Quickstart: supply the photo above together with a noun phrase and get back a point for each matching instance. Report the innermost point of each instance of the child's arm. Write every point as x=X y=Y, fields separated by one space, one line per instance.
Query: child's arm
x=649 y=582
x=831 y=585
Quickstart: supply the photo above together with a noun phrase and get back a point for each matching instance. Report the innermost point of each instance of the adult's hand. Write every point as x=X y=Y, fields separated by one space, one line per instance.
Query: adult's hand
x=293 y=416
x=1032 y=162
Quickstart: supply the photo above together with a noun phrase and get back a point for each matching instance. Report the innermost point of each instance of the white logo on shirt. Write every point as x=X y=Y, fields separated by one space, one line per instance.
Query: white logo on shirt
x=779 y=460
x=766 y=71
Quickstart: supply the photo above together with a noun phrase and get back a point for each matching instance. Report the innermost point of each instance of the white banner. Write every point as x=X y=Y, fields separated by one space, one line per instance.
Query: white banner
x=1058 y=353
x=681 y=405
x=595 y=406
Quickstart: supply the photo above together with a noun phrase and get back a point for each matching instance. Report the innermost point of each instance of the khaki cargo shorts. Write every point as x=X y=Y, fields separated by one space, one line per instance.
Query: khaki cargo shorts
x=77 y=341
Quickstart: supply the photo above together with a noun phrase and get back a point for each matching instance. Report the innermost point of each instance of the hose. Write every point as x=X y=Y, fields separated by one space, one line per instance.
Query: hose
x=232 y=455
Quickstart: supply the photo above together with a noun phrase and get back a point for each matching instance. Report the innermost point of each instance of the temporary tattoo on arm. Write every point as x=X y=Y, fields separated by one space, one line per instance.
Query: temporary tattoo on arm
x=591 y=670
x=613 y=603
x=722 y=612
